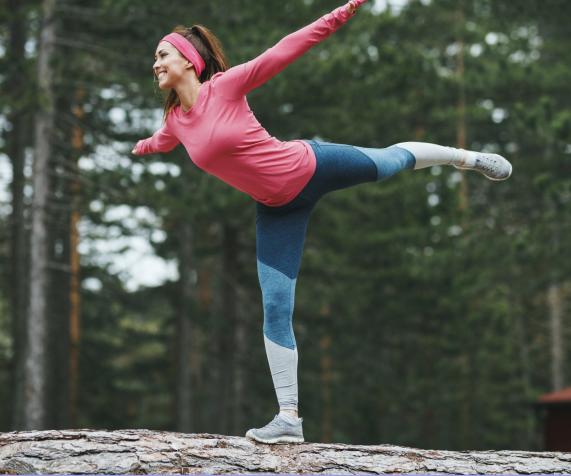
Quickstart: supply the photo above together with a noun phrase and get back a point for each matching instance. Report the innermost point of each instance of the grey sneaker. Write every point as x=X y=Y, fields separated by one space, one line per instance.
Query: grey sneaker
x=493 y=166
x=278 y=431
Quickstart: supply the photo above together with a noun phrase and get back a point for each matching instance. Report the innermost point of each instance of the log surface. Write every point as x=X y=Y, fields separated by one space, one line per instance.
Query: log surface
x=145 y=452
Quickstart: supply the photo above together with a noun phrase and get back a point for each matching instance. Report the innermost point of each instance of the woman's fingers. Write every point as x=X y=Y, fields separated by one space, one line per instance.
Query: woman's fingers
x=357 y=3
x=354 y=4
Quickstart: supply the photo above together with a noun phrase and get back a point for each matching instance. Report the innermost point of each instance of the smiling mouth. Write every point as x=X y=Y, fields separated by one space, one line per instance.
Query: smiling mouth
x=161 y=75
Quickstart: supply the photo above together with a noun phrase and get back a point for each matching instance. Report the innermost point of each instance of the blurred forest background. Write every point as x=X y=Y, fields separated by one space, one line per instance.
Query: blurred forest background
x=432 y=309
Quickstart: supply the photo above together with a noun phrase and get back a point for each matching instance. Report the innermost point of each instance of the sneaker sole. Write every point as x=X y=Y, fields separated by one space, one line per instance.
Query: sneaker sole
x=281 y=439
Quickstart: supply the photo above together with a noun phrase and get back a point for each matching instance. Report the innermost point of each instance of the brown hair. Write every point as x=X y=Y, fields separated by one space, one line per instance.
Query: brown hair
x=211 y=51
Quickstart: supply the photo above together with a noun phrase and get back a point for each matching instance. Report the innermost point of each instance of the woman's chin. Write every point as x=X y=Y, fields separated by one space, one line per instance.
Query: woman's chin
x=164 y=84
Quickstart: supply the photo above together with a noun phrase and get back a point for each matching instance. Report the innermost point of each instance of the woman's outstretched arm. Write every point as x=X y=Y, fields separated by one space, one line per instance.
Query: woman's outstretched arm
x=161 y=141
x=241 y=79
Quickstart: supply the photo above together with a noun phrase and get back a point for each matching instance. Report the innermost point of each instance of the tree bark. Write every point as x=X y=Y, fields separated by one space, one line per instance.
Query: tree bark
x=154 y=452
x=36 y=343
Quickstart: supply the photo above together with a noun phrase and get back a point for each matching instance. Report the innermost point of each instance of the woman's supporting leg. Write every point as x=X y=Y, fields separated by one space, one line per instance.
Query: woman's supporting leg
x=280 y=234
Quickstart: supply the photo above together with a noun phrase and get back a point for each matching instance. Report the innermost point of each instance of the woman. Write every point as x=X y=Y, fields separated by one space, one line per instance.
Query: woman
x=207 y=111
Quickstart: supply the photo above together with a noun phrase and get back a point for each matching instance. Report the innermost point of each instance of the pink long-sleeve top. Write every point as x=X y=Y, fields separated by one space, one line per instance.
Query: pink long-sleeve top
x=223 y=137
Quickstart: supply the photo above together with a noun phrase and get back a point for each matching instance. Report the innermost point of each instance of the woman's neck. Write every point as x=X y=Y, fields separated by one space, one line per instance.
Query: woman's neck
x=188 y=93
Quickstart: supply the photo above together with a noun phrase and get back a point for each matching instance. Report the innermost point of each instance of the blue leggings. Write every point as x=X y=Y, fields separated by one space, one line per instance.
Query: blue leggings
x=280 y=234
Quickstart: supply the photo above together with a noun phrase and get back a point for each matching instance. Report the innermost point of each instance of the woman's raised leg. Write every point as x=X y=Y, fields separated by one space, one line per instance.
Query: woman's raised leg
x=340 y=165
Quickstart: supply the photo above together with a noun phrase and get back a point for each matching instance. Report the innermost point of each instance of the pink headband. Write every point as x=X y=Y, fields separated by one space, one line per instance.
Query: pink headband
x=186 y=49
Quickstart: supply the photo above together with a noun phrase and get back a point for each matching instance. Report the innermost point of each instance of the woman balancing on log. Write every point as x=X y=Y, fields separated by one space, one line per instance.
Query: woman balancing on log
x=206 y=110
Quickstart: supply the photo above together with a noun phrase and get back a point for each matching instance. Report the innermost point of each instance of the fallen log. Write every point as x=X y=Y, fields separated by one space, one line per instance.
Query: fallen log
x=145 y=451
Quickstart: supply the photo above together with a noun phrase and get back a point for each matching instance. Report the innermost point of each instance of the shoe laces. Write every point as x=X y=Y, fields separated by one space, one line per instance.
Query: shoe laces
x=273 y=423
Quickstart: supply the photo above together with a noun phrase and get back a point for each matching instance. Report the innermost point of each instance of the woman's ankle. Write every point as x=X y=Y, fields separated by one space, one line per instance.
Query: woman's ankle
x=290 y=412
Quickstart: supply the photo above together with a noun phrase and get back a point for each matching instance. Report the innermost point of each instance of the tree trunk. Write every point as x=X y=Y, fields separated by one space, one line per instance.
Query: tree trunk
x=326 y=377
x=201 y=350
x=241 y=351
x=35 y=357
x=184 y=332
x=58 y=310
x=555 y=298
x=59 y=282
x=75 y=284
x=153 y=452
x=555 y=304
x=16 y=142
x=229 y=313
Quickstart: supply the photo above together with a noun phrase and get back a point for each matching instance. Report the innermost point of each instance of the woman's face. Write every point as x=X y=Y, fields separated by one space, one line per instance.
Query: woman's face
x=170 y=65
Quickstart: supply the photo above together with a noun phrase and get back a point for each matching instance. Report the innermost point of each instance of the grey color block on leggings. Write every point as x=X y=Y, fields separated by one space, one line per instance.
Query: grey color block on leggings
x=283 y=365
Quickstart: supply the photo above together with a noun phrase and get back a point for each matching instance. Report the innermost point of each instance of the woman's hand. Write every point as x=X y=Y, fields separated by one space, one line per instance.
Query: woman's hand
x=353 y=5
